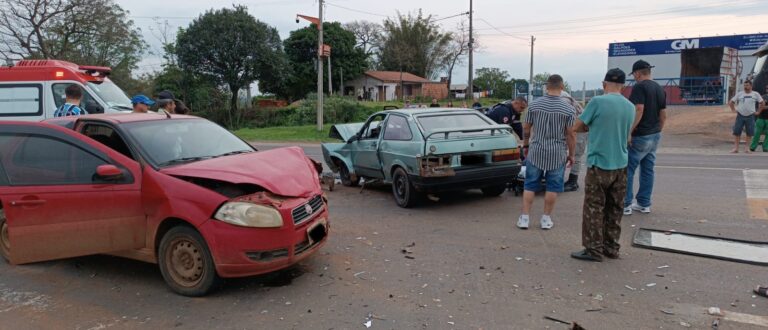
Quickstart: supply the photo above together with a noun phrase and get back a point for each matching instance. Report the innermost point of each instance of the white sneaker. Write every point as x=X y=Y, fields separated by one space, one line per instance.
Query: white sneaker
x=628 y=210
x=522 y=222
x=642 y=209
x=546 y=222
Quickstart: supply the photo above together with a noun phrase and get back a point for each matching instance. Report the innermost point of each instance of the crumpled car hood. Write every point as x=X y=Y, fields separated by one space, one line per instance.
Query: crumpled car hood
x=345 y=131
x=283 y=171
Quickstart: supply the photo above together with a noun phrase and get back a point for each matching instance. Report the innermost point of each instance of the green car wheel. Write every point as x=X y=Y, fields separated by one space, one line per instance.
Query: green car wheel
x=405 y=194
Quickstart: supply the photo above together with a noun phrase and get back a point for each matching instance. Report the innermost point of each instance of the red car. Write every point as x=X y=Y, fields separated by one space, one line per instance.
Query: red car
x=179 y=191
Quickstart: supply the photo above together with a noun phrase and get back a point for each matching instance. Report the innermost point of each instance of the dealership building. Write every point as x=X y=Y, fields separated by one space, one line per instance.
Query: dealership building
x=704 y=70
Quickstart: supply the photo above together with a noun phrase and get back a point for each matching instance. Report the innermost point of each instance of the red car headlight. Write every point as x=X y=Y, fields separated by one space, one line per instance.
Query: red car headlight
x=249 y=215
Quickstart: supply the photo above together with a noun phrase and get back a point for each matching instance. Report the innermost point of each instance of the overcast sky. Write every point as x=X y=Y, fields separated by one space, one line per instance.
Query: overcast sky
x=572 y=36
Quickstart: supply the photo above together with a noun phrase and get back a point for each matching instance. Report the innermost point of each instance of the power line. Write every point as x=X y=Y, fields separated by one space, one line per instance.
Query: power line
x=355 y=10
x=452 y=16
x=500 y=31
x=705 y=6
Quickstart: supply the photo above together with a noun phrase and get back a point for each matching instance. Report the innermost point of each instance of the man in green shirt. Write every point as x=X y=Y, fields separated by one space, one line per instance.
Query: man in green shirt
x=608 y=118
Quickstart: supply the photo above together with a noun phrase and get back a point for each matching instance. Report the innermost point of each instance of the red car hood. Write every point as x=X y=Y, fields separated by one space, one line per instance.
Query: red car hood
x=284 y=171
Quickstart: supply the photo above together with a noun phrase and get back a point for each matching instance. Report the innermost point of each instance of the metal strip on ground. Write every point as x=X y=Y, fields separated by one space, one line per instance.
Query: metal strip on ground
x=743 y=251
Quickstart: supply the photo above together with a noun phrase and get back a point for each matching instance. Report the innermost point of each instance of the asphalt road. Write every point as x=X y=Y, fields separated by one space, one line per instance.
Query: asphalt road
x=467 y=267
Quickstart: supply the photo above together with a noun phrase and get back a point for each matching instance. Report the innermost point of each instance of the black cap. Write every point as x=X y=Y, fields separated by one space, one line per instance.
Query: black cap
x=165 y=95
x=615 y=75
x=640 y=64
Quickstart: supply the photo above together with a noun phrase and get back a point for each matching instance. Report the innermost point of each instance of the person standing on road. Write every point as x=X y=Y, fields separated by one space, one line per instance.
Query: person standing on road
x=581 y=144
x=745 y=104
x=434 y=104
x=650 y=115
x=549 y=129
x=761 y=126
x=71 y=107
x=608 y=118
x=141 y=103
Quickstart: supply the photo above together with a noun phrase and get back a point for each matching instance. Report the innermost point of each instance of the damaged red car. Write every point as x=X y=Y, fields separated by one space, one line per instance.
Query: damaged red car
x=179 y=191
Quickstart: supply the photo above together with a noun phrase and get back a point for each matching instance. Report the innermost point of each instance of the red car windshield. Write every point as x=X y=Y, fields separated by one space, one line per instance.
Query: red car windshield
x=171 y=142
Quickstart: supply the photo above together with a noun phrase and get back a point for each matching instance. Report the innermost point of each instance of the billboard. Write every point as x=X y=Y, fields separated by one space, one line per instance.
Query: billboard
x=674 y=46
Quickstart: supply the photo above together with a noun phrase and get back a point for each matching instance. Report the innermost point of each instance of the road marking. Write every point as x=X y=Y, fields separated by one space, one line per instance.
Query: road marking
x=700 y=168
x=756 y=184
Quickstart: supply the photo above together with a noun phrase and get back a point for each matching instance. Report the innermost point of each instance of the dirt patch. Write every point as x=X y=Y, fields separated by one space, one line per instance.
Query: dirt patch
x=707 y=128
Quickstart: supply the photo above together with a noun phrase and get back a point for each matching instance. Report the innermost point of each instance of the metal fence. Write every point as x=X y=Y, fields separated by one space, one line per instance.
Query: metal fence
x=691 y=90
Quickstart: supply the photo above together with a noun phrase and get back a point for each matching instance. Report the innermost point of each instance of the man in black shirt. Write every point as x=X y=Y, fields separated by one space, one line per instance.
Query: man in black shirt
x=434 y=104
x=650 y=103
x=761 y=125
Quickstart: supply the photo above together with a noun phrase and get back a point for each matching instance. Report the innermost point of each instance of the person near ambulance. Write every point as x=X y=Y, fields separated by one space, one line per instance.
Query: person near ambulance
x=141 y=103
x=71 y=107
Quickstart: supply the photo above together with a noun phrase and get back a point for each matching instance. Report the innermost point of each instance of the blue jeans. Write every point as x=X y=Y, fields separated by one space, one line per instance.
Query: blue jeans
x=642 y=153
x=553 y=178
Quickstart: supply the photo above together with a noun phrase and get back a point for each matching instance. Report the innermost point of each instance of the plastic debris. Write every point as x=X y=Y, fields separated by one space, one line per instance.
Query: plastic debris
x=662 y=267
x=714 y=311
x=629 y=287
x=650 y=284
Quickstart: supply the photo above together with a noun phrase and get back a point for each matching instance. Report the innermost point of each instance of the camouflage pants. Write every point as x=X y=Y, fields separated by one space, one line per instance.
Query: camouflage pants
x=603 y=207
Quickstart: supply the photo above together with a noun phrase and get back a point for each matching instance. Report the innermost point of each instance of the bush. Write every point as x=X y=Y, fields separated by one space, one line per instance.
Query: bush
x=336 y=109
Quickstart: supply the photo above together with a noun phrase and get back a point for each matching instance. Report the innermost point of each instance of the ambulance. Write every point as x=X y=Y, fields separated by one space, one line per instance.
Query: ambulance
x=31 y=90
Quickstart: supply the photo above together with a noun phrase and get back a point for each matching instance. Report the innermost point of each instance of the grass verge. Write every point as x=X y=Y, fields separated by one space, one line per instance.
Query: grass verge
x=306 y=133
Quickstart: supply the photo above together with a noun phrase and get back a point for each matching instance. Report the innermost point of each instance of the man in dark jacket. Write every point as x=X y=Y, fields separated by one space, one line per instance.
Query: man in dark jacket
x=510 y=113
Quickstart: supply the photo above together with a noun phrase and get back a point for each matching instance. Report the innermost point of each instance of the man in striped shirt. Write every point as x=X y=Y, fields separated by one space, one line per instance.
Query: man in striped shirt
x=549 y=129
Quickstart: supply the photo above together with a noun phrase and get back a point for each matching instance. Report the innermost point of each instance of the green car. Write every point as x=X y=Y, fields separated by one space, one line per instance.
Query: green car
x=425 y=151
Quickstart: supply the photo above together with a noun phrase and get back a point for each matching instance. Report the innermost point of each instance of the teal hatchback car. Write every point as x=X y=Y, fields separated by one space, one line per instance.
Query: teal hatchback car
x=425 y=151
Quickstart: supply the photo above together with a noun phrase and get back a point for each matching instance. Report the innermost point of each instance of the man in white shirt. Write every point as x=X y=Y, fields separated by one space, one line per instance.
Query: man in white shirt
x=745 y=104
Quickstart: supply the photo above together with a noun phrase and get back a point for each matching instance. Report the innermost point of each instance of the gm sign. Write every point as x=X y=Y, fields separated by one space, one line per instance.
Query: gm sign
x=685 y=44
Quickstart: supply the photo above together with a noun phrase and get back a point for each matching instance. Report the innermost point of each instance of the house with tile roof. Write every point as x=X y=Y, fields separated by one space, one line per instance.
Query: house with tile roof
x=385 y=86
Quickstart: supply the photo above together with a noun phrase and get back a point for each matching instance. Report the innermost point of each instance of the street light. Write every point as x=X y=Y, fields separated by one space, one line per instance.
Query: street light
x=318 y=21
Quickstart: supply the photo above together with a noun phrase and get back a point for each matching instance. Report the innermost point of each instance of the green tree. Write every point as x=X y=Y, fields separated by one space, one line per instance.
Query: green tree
x=496 y=80
x=233 y=49
x=414 y=44
x=301 y=50
x=94 y=32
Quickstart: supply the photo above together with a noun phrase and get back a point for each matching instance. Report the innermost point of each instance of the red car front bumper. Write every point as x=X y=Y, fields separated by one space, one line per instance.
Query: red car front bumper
x=239 y=251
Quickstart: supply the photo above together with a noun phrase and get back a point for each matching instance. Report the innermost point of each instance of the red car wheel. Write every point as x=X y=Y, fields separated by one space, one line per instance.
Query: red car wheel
x=5 y=242
x=186 y=262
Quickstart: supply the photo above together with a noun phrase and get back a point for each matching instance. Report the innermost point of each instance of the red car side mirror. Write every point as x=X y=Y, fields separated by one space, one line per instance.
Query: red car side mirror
x=109 y=172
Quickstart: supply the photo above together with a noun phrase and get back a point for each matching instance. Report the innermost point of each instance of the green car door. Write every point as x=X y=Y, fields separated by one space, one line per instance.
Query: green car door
x=365 y=150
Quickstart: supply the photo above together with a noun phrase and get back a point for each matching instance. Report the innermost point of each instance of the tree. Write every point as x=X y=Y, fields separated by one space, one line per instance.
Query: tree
x=496 y=80
x=301 y=49
x=420 y=39
x=233 y=49
x=95 y=32
x=458 y=47
x=368 y=36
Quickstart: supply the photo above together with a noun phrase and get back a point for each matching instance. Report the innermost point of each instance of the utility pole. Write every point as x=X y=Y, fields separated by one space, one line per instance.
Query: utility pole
x=330 y=82
x=470 y=93
x=320 y=69
x=530 y=82
x=341 y=81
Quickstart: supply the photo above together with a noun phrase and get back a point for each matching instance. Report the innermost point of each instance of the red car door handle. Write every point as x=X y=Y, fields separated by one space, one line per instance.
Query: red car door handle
x=31 y=202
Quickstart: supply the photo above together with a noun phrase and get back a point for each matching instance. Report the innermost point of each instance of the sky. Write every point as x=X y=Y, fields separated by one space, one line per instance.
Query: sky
x=572 y=36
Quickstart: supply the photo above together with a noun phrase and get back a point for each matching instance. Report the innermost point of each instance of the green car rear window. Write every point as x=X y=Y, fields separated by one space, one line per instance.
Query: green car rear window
x=453 y=121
